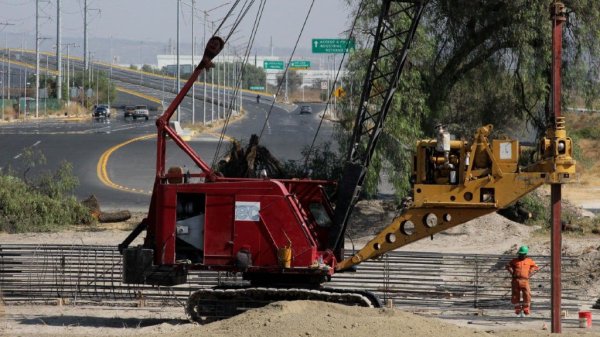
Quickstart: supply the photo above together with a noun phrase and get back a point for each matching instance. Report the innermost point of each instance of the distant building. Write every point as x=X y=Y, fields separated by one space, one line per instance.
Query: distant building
x=320 y=70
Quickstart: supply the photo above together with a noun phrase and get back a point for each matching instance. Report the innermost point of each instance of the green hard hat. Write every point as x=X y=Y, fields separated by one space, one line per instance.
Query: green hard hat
x=524 y=250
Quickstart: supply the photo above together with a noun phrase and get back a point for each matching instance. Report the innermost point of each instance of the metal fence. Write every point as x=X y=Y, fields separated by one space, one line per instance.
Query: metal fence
x=92 y=274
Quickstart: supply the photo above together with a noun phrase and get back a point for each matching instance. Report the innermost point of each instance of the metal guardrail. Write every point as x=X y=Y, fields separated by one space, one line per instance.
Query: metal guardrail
x=92 y=274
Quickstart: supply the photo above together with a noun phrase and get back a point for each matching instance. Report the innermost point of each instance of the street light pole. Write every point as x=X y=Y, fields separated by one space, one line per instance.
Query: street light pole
x=212 y=88
x=193 y=64
x=58 y=54
x=178 y=71
x=37 y=56
x=204 y=97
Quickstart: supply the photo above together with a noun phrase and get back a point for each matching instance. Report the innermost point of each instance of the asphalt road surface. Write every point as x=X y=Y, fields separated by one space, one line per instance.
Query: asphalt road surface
x=130 y=160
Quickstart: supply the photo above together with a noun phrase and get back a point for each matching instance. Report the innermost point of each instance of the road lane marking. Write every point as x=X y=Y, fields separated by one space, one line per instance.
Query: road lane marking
x=103 y=173
x=33 y=145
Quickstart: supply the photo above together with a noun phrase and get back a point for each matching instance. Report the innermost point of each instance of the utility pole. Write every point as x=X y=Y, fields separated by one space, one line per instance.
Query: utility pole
x=178 y=70
x=85 y=40
x=69 y=70
x=204 y=99
x=112 y=60
x=7 y=85
x=3 y=97
x=212 y=88
x=58 y=54
x=86 y=61
x=37 y=56
x=193 y=65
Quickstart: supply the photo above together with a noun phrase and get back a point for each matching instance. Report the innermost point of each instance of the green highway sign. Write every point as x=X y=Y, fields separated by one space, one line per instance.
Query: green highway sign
x=277 y=65
x=332 y=46
x=257 y=87
x=300 y=64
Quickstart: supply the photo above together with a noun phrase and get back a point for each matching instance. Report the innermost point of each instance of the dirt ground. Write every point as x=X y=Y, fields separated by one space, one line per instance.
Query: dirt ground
x=489 y=234
x=299 y=318
x=492 y=234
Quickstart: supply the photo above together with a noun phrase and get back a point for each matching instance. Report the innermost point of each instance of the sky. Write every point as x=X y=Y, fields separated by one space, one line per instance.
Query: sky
x=154 y=21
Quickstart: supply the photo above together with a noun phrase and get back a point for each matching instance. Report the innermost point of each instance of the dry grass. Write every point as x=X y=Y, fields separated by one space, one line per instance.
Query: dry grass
x=212 y=127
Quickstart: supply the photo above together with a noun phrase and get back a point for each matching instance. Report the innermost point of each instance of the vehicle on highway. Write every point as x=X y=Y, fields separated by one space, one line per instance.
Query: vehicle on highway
x=106 y=106
x=101 y=112
x=135 y=112
x=305 y=109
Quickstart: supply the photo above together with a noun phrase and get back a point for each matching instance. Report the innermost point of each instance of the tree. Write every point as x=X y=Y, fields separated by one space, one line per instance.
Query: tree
x=148 y=68
x=100 y=85
x=251 y=75
x=294 y=80
x=474 y=62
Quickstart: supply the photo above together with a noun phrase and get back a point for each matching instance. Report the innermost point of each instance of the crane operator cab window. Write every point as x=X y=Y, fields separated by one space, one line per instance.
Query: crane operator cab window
x=320 y=214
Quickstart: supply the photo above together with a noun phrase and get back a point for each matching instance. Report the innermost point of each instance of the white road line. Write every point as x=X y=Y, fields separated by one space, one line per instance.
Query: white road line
x=33 y=145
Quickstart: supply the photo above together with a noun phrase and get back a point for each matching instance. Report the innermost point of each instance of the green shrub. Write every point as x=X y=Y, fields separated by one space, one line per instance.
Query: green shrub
x=40 y=204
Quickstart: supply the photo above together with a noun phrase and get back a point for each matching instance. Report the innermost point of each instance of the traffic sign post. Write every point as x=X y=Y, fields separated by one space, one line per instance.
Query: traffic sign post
x=275 y=65
x=299 y=64
x=332 y=46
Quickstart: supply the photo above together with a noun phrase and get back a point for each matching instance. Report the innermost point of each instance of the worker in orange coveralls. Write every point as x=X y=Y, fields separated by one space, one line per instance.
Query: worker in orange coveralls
x=521 y=270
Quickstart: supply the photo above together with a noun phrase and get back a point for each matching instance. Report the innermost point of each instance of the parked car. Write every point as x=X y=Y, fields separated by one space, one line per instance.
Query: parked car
x=138 y=111
x=305 y=109
x=101 y=112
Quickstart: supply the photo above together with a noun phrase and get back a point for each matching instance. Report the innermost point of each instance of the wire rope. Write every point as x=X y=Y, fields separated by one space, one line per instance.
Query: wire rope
x=286 y=69
x=361 y=7
x=249 y=45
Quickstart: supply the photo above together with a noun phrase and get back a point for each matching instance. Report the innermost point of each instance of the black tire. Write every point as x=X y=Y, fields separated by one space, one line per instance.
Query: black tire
x=146 y=117
x=134 y=118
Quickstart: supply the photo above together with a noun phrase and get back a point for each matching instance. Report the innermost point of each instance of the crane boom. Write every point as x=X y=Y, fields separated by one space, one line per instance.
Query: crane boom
x=396 y=28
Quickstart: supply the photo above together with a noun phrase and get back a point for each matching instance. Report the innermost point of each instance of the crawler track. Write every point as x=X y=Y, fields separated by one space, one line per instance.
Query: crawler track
x=207 y=305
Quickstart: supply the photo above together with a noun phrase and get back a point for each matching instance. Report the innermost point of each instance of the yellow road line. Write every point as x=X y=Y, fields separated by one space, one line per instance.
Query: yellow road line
x=29 y=66
x=103 y=161
x=139 y=94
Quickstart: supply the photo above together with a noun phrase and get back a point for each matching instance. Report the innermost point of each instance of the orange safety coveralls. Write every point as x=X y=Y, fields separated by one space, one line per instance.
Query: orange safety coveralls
x=521 y=270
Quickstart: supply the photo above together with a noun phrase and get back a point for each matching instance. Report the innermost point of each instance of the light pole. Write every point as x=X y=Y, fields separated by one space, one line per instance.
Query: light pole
x=141 y=64
x=193 y=64
x=178 y=70
x=58 y=54
x=212 y=93
x=37 y=57
x=204 y=97
x=212 y=88
x=2 y=82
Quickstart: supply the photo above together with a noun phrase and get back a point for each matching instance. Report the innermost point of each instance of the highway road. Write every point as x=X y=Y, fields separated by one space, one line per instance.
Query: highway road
x=115 y=159
x=125 y=150
x=162 y=87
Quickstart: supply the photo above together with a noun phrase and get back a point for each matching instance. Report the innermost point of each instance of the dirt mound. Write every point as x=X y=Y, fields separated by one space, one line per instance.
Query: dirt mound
x=307 y=318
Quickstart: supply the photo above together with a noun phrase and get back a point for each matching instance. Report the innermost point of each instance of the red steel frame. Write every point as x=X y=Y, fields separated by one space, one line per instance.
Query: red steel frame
x=283 y=221
x=213 y=48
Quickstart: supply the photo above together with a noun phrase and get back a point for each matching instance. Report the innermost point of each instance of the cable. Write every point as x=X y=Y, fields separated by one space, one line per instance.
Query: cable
x=225 y=17
x=240 y=76
x=361 y=7
x=286 y=68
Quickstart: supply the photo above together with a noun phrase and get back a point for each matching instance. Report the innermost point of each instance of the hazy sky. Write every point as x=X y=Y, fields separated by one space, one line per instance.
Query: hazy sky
x=155 y=20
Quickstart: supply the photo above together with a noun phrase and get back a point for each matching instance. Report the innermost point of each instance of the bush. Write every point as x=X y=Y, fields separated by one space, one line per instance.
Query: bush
x=323 y=163
x=40 y=204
